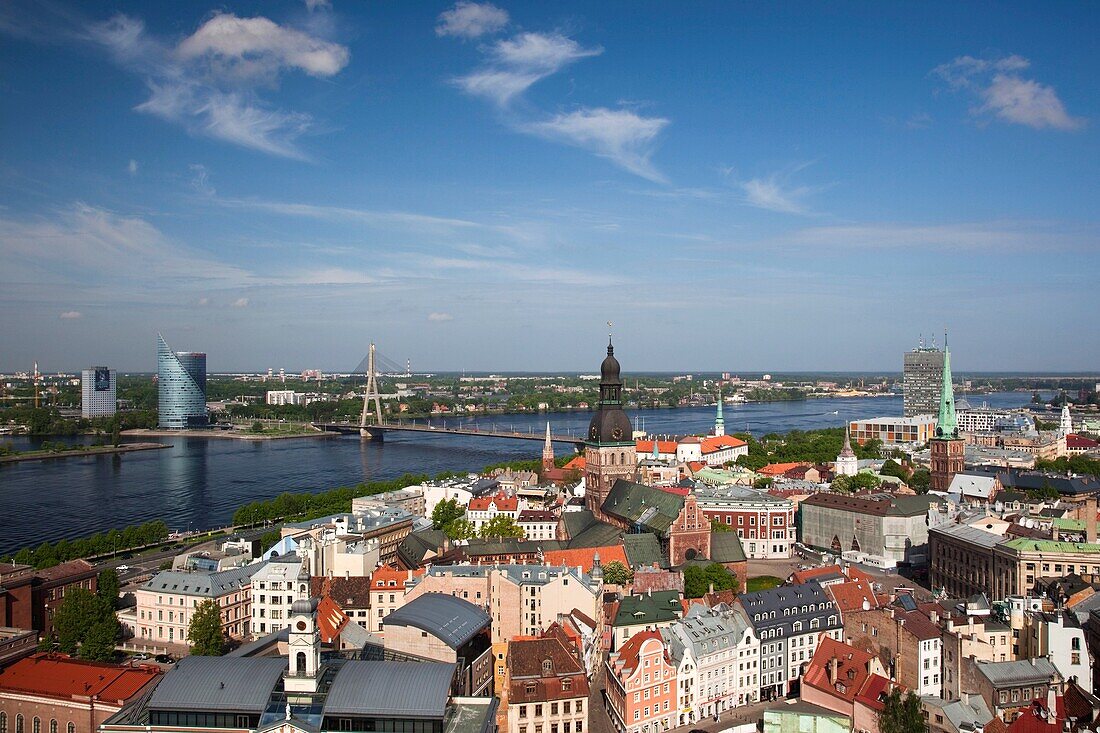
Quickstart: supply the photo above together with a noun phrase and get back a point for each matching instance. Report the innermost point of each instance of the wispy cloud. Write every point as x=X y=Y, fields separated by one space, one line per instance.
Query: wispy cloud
x=993 y=236
x=365 y=216
x=514 y=64
x=1002 y=92
x=132 y=167
x=240 y=303
x=471 y=20
x=621 y=136
x=440 y=317
x=210 y=82
x=71 y=315
x=776 y=193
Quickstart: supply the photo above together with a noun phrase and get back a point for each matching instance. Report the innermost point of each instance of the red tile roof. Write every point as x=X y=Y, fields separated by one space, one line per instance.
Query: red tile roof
x=777 y=469
x=628 y=652
x=852 y=669
x=716 y=443
x=873 y=690
x=1079 y=441
x=852 y=595
x=663 y=446
x=576 y=464
x=583 y=556
x=387 y=577
x=503 y=502
x=331 y=619
x=58 y=676
x=1037 y=719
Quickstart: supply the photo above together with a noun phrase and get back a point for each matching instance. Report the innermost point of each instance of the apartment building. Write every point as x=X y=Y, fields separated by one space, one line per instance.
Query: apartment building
x=906 y=642
x=272 y=590
x=547 y=688
x=764 y=523
x=641 y=685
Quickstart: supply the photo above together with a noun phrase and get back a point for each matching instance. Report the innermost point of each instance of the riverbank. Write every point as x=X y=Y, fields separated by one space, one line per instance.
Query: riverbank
x=92 y=450
x=226 y=434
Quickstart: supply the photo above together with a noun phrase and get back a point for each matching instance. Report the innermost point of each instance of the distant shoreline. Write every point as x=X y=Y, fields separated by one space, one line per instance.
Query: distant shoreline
x=224 y=434
x=96 y=450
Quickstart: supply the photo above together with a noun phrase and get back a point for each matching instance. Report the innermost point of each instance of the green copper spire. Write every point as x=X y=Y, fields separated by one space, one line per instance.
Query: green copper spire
x=719 y=421
x=946 y=426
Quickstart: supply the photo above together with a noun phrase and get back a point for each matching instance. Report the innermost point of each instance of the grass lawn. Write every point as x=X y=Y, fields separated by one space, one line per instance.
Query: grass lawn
x=763 y=582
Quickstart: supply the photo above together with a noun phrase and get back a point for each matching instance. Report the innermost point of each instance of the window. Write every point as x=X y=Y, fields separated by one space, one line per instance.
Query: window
x=19 y=723
x=3 y=722
x=566 y=685
x=523 y=711
x=53 y=726
x=71 y=728
x=36 y=725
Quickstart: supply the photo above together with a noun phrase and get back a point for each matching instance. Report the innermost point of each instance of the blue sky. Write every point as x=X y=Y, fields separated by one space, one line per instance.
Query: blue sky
x=736 y=186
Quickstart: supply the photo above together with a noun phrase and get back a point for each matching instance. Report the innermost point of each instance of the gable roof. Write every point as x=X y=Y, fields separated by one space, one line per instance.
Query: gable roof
x=643 y=549
x=649 y=507
x=628 y=653
x=585 y=556
x=207 y=585
x=855 y=595
x=651 y=608
x=716 y=443
x=777 y=469
x=853 y=668
x=224 y=684
x=726 y=547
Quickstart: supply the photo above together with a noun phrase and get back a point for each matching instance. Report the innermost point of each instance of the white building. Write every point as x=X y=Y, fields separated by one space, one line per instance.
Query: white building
x=283 y=397
x=847 y=464
x=97 y=392
x=716 y=655
x=538 y=524
x=482 y=509
x=273 y=594
x=1058 y=636
x=980 y=419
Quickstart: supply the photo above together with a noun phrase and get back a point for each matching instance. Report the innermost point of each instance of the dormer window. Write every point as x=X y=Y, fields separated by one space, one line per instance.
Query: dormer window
x=547 y=666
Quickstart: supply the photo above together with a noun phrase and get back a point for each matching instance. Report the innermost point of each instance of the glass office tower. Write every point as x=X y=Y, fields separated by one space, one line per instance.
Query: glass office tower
x=181 y=387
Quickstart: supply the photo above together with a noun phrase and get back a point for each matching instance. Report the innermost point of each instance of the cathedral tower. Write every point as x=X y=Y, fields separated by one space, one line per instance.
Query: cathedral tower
x=610 y=452
x=947 y=447
x=548 y=451
x=847 y=464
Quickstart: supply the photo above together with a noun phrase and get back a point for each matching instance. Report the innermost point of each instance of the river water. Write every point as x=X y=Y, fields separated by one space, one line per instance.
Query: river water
x=199 y=482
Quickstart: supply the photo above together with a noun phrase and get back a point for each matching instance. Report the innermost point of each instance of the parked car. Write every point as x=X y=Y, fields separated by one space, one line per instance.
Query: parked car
x=122 y=568
x=140 y=656
x=164 y=659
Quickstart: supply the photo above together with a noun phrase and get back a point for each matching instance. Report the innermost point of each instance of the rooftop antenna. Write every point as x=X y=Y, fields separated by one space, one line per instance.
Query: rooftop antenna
x=36 y=375
x=922 y=340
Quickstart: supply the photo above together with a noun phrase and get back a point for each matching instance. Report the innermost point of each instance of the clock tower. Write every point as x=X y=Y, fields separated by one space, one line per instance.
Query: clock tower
x=610 y=452
x=948 y=450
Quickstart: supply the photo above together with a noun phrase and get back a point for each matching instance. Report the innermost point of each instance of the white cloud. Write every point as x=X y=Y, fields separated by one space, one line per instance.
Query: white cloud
x=991 y=236
x=1003 y=93
x=71 y=315
x=312 y=5
x=250 y=48
x=240 y=303
x=132 y=167
x=517 y=63
x=210 y=82
x=471 y=20
x=440 y=317
x=621 y=136
x=769 y=193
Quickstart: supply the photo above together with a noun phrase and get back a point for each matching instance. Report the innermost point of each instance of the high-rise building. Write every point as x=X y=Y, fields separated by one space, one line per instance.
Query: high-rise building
x=181 y=387
x=922 y=373
x=610 y=452
x=947 y=448
x=97 y=392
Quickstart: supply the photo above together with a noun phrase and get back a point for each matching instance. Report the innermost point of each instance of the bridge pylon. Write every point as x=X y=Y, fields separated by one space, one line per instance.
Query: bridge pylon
x=368 y=398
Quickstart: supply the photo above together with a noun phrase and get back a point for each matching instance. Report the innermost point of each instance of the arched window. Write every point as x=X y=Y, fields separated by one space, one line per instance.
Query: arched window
x=36 y=725
x=70 y=728
x=19 y=723
x=3 y=722
x=301 y=661
x=53 y=725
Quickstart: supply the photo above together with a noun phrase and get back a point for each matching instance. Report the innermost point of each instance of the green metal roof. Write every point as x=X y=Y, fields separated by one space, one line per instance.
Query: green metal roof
x=651 y=608
x=645 y=506
x=726 y=547
x=643 y=549
x=1028 y=545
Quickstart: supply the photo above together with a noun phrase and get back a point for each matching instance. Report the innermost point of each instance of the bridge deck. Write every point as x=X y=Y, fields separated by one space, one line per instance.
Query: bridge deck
x=431 y=429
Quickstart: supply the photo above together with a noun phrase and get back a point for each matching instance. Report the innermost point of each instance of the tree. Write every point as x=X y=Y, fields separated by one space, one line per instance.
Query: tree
x=99 y=642
x=901 y=714
x=500 y=527
x=78 y=611
x=859 y=482
x=446 y=512
x=107 y=587
x=205 y=632
x=718 y=526
x=460 y=529
x=616 y=573
x=893 y=468
x=699 y=580
x=920 y=481
x=762 y=482
x=257 y=427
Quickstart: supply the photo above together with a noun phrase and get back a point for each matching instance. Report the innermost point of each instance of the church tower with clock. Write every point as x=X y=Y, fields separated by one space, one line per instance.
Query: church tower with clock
x=610 y=452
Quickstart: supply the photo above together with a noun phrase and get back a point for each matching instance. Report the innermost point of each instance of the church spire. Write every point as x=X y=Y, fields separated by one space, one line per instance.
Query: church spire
x=846 y=450
x=547 y=451
x=719 y=421
x=946 y=426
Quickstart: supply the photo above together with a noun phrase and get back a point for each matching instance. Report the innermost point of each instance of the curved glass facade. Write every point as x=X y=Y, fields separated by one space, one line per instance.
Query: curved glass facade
x=181 y=387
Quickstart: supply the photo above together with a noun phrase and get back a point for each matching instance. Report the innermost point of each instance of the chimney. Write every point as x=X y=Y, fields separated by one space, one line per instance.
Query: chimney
x=833 y=665
x=1090 y=520
x=1052 y=703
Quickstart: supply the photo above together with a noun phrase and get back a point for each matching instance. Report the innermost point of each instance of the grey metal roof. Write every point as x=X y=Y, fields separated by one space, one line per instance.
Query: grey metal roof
x=391 y=689
x=230 y=684
x=451 y=619
x=207 y=585
x=519 y=574
x=966 y=533
x=1023 y=671
x=765 y=609
x=971 y=715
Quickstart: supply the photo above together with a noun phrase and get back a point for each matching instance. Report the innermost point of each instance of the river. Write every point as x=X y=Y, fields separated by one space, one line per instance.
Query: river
x=199 y=482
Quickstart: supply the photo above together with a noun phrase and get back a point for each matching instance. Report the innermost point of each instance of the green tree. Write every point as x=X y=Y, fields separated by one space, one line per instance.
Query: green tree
x=99 y=642
x=446 y=512
x=893 y=468
x=901 y=714
x=920 y=481
x=205 y=632
x=699 y=580
x=762 y=482
x=460 y=529
x=717 y=526
x=107 y=588
x=500 y=527
x=78 y=611
x=257 y=427
x=616 y=573
x=860 y=482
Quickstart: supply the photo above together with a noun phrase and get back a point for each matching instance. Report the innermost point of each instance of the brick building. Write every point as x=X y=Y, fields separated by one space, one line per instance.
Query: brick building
x=547 y=687
x=907 y=644
x=29 y=597
x=764 y=523
x=51 y=693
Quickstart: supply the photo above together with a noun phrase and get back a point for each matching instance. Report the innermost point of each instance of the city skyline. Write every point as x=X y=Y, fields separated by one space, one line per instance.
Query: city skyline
x=481 y=187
